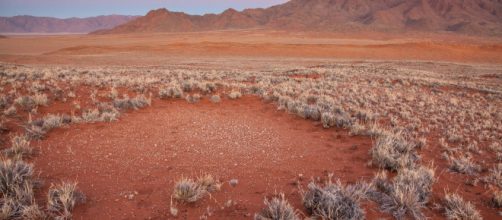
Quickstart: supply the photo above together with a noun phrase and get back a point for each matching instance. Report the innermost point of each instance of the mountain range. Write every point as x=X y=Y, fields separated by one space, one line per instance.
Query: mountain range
x=31 y=24
x=462 y=16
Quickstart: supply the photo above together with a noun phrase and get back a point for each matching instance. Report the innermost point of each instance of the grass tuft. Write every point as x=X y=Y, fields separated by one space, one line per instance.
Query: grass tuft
x=62 y=198
x=277 y=208
x=335 y=201
x=406 y=195
x=188 y=190
x=20 y=148
x=457 y=208
x=393 y=152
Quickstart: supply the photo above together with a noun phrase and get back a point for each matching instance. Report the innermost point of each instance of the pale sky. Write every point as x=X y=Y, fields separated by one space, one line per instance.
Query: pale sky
x=87 y=8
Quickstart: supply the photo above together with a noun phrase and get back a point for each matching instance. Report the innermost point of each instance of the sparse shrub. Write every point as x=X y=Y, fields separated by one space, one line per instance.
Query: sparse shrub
x=33 y=212
x=20 y=148
x=187 y=85
x=327 y=119
x=335 y=201
x=62 y=198
x=215 y=99
x=234 y=95
x=277 y=208
x=52 y=121
x=26 y=102
x=208 y=183
x=495 y=175
x=134 y=103
x=40 y=99
x=171 y=92
x=497 y=199
x=193 y=98
x=91 y=115
x=309 y=112
x=457 y=208
x=189 y=191
x=14 y=174
x=35 y=132
x=391 y=151
x=406 y=195
x=464 y=165
x=109 y=116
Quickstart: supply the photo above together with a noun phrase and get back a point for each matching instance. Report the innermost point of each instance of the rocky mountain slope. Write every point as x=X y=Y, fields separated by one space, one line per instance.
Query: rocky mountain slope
x=464 y=16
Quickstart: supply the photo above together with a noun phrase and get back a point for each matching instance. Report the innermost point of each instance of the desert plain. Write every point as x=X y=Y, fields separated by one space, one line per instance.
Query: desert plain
x=255 y=114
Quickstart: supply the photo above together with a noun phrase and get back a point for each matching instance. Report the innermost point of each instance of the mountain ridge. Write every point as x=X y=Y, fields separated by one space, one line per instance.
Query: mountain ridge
x=459 y=16
x=33 y=24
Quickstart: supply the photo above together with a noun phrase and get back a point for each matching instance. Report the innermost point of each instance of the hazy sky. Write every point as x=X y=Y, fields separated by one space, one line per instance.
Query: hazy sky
x=86 y=8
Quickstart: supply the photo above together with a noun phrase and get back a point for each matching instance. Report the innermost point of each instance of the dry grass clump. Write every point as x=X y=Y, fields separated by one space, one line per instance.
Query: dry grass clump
x=26 y=102
x=497 y=198
x=13 y=175
x=52 y=121
x=309 y=112
x=495 y=175
x=234 y=95
x=335 y=201
x=406 y=194
x=41 y=99
x=188 y=190
x=137 y=102
x=456 y=208
x=34 y=132
x=193 y=98
x=392 y=151
x=278 y=208
x=464 y=165
x=171 y=92
x=16 y=188
x=20 y=148
x=62 y=198
x=95 y=115
x=215 y=99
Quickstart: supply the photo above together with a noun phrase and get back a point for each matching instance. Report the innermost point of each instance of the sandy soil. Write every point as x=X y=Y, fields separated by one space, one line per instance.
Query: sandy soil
x=148 y=150
x=155 y=49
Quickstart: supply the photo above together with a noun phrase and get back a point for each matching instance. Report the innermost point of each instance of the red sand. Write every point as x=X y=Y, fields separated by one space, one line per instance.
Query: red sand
x=148 y=150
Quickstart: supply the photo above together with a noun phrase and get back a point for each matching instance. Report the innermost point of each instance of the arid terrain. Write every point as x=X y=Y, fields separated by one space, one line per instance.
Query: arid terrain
x=243 y=120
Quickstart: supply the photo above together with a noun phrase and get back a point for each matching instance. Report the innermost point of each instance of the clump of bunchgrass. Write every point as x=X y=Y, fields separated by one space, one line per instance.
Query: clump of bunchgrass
x=335 y=201
x=393 y=152
x=215 y=99
x=62 y=198
x=193 y=98
x=137 y=102
x=188 y=190
x=406 y=194
x=234 y=95
x=464 y=165
x=13 y=175
x=20 y=148
x=171 y=92
x=456 y=208
x=278 y=208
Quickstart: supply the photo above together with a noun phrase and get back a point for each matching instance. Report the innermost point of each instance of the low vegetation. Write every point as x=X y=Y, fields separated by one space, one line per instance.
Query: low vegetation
x=334 y=200
x=406 y=195
x=278 y=208
x=403 y=109
x=456 y=208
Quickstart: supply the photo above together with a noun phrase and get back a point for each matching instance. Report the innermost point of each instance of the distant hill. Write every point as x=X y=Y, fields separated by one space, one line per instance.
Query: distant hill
x=31 y=24
x=462 y=16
